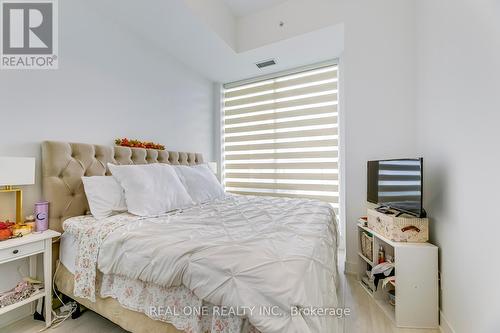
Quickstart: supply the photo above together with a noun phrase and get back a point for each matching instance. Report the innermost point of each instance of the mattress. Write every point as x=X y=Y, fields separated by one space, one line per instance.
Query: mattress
x=68 y=250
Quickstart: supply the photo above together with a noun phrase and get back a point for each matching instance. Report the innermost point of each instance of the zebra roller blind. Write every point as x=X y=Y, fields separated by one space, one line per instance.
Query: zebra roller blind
x=280 y=136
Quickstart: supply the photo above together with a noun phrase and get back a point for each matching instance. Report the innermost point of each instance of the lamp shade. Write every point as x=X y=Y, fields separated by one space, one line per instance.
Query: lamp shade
x=17 y=171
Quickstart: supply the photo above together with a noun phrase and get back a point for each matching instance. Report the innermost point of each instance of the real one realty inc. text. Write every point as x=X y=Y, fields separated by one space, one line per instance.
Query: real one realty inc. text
x=166 y=311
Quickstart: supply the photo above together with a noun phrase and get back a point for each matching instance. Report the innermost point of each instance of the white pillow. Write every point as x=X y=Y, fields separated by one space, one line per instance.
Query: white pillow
x=105 y=196
x=200 y=182
x=151 y=189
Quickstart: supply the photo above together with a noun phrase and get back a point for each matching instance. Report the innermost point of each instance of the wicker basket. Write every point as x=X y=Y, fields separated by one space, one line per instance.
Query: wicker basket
x=367 y=245
x=399 y=229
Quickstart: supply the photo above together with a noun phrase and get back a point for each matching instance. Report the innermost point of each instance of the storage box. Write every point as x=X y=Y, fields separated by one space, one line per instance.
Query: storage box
x=367 y=245
x=399 y=229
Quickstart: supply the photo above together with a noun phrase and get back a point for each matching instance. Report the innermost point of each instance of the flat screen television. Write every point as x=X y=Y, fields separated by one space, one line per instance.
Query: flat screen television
x=397 y=184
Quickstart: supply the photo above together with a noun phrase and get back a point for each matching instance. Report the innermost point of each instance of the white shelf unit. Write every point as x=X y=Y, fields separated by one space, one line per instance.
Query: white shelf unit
x=29 y=246
x=416 y=287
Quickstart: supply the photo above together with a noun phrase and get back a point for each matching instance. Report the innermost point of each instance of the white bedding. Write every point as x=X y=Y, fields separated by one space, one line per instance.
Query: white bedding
x=243 y=252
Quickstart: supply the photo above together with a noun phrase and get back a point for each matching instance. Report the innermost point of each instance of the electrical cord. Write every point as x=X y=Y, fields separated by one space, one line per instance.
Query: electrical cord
x=71 y=307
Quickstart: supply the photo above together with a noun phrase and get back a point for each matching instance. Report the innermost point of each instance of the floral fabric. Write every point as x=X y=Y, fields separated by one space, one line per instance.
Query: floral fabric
x=175 y=305
x=91 y=233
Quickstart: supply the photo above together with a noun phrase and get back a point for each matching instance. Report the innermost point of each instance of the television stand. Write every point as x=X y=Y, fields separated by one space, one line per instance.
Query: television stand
x=416 y=285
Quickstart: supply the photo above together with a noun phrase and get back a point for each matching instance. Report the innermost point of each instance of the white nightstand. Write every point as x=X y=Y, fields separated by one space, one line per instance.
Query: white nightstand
x=29 y=246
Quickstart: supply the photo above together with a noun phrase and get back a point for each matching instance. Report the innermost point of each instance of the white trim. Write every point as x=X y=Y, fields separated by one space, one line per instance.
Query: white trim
x=444 y=324
x=219 y=121
x=282 y=73
x=341 y=148
x=14 y=316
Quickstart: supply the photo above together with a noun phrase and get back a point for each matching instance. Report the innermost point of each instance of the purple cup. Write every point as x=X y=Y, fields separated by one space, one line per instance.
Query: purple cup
x=42 y=216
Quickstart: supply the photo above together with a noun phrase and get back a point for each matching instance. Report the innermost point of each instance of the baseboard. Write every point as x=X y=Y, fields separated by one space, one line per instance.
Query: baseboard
x=350 y=268
x=444 y=324
x=13 y=316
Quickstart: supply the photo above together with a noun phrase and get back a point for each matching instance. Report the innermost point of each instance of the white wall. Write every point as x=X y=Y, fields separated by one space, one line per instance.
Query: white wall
x=379 y=99
x=110 y=84
x=458 y=114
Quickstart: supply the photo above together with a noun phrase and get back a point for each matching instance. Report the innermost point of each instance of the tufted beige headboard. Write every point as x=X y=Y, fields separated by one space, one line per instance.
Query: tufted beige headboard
x=63 y=165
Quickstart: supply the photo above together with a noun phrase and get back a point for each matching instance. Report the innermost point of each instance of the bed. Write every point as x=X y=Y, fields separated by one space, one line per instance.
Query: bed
x=227 y=251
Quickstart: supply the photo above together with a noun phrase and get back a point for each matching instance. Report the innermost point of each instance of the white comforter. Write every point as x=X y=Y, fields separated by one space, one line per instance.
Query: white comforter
x=249 y=253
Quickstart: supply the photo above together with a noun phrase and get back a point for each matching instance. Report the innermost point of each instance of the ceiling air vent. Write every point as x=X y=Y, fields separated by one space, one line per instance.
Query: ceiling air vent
x=266 y=63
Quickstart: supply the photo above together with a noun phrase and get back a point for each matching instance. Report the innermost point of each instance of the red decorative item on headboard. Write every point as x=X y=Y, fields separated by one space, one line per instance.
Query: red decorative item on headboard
x=138 y=144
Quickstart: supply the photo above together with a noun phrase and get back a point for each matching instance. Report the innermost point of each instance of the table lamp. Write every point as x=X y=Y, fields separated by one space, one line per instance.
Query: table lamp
x=16 y=171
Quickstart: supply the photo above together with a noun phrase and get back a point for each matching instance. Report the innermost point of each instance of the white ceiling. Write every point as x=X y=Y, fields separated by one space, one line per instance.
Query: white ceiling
x=173 y=28
x=246 y=7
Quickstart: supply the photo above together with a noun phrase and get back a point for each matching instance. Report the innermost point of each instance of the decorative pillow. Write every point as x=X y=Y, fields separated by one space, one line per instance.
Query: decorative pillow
x=105 y=196
x=151 y=189
x=200 y=182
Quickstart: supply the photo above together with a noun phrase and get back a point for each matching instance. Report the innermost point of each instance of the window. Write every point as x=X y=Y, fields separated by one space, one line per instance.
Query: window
x=280 y=136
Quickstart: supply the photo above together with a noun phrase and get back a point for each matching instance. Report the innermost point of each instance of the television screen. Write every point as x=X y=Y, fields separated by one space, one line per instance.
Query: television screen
x=396 y=184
